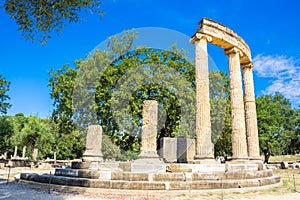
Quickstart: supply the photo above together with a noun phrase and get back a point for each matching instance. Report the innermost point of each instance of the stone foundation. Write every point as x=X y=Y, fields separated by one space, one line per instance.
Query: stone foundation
x=175 y=177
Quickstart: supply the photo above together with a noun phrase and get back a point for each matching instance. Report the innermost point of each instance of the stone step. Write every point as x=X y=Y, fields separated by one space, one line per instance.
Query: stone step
x=188 y=176
x=77 y=173
x=232 y=175
x=150 y=185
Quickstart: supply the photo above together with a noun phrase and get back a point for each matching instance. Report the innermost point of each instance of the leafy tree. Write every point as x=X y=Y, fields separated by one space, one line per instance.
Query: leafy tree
x=37 y=19
x=220 y=113
x=4 y=88
x=289 y=137
x=6 y=131
x=68 y=140
x=33 y=132
x=276 y=120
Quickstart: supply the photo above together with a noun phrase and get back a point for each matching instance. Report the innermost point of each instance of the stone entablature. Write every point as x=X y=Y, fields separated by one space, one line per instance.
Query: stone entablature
x=224 y=38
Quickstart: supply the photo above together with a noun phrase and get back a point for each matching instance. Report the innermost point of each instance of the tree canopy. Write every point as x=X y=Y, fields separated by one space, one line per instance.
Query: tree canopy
x=278 y=125
x=4 y=88
x=38 y=19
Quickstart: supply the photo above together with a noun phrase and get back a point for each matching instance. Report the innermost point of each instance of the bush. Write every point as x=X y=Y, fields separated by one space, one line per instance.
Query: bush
x=109 y=149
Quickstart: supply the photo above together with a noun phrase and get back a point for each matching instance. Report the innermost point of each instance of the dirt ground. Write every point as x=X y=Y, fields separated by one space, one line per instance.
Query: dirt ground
x=18 y=190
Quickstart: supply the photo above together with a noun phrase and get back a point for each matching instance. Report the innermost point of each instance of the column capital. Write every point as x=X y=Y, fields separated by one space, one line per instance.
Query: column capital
x=203 y=36
x=199 y=36
x=233 y=50
x=247 y=65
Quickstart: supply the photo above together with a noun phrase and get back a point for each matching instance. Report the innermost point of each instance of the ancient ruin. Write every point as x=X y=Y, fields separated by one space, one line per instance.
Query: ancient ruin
x=199 y=171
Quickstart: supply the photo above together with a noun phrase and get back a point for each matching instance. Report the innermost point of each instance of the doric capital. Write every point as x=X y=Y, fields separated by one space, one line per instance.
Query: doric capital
x=247 y=65
x=200 y=36
x=233 y=50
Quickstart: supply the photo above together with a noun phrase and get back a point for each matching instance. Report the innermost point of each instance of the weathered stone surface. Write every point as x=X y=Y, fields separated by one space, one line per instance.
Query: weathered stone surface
x=16 y=151
x=78 y=173
x=168 y=177
x=207 y=176
x=204 y=146
x=296 y=165
x=284 y=165
x=178 y=168
x=224 y=37
x=109 y=166
x=149 y=130
x=168 y=149
x=241 y=167
x=129 y=176
x=80 y=165
x=24 y=152
x=207 y=167
x=165 y=181
x=100 y=184
x=66 y=172
x=141 y=165
x=138 y=185
x=177 y=150
x=239 y=143
x=250 y=111
x=93 y=144
x=35 y=154
x=148 y=167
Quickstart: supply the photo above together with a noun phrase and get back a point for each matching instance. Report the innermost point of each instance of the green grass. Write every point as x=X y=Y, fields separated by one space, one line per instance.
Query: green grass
x=291 y=158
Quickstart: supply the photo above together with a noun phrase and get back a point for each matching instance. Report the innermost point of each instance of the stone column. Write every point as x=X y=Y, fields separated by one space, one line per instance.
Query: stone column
x=239 y=143
x=149 y=130
x=93 y=145
x=204 y=146
x=35 y=154
x=250 y=109
x=15 y=152
x=54 y=154
x=24 y=152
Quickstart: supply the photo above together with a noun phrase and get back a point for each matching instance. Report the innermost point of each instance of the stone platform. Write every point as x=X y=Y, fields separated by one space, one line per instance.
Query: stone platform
x=176 y=177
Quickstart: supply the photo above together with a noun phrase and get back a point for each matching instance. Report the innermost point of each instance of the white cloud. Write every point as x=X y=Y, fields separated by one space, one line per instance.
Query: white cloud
x=284 y=73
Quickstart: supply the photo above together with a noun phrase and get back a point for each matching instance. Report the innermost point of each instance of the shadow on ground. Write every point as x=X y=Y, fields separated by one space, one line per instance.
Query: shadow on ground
x=14 y=190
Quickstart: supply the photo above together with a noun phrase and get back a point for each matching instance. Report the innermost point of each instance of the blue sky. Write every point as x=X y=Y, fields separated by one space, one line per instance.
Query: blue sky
x=271 y=29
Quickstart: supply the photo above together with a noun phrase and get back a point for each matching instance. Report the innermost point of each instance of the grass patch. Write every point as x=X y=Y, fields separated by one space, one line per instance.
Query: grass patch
x=291 y=158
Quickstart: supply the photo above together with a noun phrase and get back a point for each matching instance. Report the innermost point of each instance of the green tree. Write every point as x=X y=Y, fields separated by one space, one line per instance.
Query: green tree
x=68 y=140
x=38 y=19
x=4 y=88
x=33 y=133
x=6 y=131
x=290 y=137
x=220 y=113
x=276 y=120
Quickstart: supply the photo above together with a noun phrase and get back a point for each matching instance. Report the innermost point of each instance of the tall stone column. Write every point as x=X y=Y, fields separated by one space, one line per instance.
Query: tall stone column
x=204 y=146
x=239 y=142
x=149 y=130
x=250 y=109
